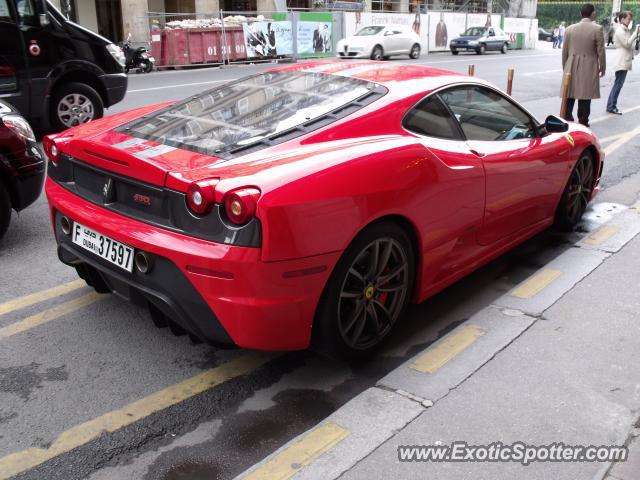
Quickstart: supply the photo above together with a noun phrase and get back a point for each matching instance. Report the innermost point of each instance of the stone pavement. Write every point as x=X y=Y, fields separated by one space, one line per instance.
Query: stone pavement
x=554 y=360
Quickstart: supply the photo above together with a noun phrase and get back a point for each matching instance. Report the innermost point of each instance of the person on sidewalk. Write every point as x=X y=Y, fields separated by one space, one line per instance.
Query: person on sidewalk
x=624 y=41
x=584 y=58
x=556 y=36
x=561 y=30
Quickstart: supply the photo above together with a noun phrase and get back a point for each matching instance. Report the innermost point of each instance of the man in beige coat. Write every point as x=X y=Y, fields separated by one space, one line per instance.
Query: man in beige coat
x=583 y=56
x=624 y=41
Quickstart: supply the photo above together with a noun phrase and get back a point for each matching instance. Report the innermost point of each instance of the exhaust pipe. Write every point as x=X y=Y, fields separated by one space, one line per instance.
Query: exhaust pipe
x=65 y=224
x=143 y=262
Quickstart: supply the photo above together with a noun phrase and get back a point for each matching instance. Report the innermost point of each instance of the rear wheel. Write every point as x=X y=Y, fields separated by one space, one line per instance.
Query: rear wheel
x=74 y=104
x=504 y=48
x=148 y=66
x=376 y=53
x=366 y=294
x=415 y=52
x=577 y=193
x=5 y=210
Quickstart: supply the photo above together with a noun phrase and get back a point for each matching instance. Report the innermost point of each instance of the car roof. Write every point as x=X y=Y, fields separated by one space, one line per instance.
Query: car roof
x=401 y=80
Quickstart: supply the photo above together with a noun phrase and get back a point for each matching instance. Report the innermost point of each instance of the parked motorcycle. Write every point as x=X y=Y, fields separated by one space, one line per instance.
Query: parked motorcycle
x=138 y=58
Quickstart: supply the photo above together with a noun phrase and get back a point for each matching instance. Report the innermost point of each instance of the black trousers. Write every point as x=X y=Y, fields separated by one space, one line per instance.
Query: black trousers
x=584 y=110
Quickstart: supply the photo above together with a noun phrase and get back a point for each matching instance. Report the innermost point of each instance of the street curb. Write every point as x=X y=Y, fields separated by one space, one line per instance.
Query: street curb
x=398 y=388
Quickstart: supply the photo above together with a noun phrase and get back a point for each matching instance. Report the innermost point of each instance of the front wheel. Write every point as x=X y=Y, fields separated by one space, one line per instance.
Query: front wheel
x=415 y=52
x=577 y=194
x=366 y=294
x=74 y=104
x=5 y=209
x=455 y=52
x=376 y=53
x=504 y=48
x=481 y=49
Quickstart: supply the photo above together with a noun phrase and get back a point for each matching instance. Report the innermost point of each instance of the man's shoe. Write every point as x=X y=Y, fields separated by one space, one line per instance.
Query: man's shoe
x=615 y=111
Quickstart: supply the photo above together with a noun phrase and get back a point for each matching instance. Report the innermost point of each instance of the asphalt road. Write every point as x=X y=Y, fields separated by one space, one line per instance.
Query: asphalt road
x=83 y=384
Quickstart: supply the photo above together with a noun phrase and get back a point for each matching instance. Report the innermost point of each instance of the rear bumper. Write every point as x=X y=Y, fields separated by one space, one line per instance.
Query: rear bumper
x=116 y=87
x=220 y=293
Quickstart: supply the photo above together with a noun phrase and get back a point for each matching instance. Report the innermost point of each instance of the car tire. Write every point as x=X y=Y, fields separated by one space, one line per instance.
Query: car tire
x=354 y=327
x=576 y=194
x=5 y=209
x=504 y=48
x=481 y=49
x=415 y=52
x=377 y=53
x=74 y=94
x=454 y=52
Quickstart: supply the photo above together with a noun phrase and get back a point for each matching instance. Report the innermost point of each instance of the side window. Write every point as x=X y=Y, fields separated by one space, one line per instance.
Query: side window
x=27 y=12
x=486 y=115
x=430 y=117
x=5 y=13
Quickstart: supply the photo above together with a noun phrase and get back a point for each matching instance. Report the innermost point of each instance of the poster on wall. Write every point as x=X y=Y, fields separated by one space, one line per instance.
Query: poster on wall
x=268 y=39
x=483 y=20
x=444 y=27
x=419 y=23
x=314 y=38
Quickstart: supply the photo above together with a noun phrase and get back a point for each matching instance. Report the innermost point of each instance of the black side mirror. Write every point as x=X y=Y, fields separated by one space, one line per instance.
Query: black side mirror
x=555 y=124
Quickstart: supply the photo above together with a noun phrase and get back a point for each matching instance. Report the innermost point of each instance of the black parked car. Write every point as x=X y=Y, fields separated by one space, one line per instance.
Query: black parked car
x=22 y=165
x=55 y=72
x=544 y=35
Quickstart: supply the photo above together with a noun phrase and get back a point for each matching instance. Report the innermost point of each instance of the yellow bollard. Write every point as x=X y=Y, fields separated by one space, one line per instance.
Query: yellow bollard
x=566 y=81
x=471 y=70
x=510 y=81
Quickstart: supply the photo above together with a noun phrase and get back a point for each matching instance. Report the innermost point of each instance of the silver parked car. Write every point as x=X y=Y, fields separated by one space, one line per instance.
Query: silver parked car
x=380 y=42
x=480 y=40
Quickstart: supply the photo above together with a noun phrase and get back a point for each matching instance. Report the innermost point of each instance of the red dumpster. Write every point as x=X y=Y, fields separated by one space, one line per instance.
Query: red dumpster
x=211 y=42
x=177 y=47
x=156 y=46
x=196 y=51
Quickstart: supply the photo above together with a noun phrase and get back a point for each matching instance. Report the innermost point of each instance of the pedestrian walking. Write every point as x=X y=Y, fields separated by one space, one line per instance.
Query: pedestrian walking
x=624 y=41
x=556 y=37
x=561 y=30
x=583 y=57
x=611 y=30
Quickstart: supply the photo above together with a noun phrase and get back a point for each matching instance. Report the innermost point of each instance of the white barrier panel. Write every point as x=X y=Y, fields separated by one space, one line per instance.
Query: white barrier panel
x=444 y=27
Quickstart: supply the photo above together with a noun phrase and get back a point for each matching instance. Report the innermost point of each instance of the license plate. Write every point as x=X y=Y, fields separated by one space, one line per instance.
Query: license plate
x=103 y=246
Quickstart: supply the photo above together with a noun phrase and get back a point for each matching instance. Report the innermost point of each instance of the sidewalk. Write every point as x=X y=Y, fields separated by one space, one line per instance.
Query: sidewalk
x=554 y=360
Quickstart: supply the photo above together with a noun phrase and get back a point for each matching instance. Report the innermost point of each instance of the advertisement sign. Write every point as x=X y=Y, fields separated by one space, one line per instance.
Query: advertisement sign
x=268 y=39
x=444 y=27
x=314 y=38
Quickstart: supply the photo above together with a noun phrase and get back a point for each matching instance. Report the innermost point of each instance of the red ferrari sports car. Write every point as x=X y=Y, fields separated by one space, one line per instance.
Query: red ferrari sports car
x=311 y=203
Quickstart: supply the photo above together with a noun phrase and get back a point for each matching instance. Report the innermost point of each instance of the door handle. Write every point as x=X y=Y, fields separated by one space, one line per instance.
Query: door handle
x=477 y=153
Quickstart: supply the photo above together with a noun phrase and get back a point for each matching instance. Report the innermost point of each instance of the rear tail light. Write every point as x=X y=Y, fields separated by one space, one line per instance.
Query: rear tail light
x=240 y=204
x=51 y=149
x=201 y=196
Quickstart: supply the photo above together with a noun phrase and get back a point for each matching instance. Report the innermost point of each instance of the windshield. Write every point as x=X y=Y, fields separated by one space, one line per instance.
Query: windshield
x=369 y=31
x=475 y=31
x=247 y=111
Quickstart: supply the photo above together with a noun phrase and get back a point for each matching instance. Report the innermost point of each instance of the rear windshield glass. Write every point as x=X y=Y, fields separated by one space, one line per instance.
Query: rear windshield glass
x=248 y=111
x=475 y=31
x=369 y=31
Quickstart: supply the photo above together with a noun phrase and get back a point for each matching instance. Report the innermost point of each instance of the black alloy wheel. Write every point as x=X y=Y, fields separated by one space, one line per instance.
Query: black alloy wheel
x=367 y=293
x=415 y=52
x=504 y=48
x=577 y=193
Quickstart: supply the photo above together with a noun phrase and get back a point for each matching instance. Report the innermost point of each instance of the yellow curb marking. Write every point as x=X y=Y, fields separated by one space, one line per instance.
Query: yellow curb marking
x=50 y=314
x=450 y=346
x=536 y=283
x=291 y=460
x=32 y=299
x=601 y=235
x=110 y=422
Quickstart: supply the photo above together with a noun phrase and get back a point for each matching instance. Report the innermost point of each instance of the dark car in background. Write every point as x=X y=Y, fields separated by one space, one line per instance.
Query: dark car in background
x=22 y=165
x=545 y=35
x=480 y=40
x=55 y=72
